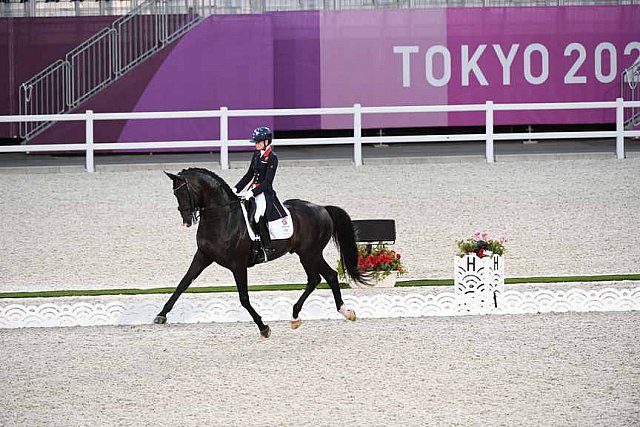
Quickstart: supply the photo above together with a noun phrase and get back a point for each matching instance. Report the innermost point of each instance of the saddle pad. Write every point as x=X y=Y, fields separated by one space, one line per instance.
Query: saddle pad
x=281 y=228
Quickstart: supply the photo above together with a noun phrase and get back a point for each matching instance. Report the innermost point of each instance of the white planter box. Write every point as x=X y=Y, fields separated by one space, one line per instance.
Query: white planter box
x=478 y=282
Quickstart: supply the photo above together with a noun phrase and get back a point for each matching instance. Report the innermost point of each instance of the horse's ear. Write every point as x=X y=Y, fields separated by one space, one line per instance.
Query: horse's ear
x=170 y=175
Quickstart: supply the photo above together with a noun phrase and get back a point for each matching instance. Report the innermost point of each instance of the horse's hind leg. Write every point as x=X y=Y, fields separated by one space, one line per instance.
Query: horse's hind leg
x=331 y=276
x=199 y=263
x=313 y=279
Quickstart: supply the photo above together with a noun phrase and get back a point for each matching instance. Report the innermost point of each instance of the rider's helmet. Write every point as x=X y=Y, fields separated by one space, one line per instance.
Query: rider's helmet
x=262 y=134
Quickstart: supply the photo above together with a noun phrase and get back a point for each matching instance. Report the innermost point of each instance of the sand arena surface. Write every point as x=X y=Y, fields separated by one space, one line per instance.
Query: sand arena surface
x=115 y=230
x=122 y=229
x=525 y=370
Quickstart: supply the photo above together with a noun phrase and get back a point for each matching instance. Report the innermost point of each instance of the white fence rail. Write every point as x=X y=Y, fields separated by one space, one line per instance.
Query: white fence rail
x=223 y=114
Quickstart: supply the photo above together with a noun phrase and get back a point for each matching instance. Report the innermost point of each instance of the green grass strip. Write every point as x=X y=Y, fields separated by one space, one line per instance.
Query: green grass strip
x=296 y=287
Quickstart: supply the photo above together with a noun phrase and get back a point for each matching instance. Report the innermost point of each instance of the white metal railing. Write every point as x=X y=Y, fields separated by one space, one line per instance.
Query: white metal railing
x=223 y=115
x=105 y=57
x=630 y=90
x=90 y=68
x=45 y=93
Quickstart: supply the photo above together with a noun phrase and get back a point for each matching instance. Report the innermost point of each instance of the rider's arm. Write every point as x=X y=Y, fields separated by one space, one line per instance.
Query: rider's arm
x=247 y=176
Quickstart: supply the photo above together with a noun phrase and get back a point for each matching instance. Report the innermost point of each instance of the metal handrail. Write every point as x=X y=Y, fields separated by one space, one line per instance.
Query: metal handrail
x=630 y=89
x=105 y=57
x=34 y=99
x=96 y=74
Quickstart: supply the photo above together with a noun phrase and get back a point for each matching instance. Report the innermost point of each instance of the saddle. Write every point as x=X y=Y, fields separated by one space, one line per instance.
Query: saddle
x=281 y=228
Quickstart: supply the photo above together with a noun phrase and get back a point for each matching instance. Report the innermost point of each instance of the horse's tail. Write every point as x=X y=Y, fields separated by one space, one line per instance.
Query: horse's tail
x=345 y=239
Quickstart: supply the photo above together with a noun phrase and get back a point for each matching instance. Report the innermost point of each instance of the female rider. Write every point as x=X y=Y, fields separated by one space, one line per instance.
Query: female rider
x=259 y=180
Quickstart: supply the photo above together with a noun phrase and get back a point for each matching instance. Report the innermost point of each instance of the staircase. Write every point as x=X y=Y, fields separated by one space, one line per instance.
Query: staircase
x=630 y=91
x=105 y=58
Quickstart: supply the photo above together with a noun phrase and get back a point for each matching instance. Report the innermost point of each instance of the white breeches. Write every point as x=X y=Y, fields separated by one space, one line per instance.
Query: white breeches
x=261 y=206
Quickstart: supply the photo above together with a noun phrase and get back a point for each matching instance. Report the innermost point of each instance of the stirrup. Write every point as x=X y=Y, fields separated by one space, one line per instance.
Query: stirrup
x=257 y=256
x=269 y=252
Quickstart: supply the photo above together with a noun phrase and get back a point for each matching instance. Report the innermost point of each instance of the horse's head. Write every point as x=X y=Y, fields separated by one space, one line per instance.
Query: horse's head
x=199 y=190
x=187 y=201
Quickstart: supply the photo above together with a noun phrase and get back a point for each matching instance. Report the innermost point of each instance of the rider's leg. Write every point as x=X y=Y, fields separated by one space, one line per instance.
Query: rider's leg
x=263 y=228
x=250 y=205
x=261 y=207
x=265 y=237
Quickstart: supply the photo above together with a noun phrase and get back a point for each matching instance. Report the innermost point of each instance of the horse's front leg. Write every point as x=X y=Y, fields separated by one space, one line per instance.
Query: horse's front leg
x=199 y=263
x=240 y=275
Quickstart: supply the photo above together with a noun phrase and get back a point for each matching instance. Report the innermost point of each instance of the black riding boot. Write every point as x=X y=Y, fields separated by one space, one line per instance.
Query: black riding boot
x=265 y=238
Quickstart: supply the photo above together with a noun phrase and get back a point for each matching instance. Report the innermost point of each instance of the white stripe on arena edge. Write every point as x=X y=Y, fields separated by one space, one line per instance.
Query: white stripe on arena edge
x=210 y=308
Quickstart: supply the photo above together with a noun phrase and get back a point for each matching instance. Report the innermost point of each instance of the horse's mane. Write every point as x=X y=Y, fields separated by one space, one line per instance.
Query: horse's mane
x=210 y=174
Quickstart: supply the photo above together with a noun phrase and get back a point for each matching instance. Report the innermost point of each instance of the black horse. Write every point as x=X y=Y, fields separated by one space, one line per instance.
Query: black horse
x=222 y=237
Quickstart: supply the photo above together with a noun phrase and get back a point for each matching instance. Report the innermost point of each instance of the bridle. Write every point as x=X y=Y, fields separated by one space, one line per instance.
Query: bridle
x=193 y=210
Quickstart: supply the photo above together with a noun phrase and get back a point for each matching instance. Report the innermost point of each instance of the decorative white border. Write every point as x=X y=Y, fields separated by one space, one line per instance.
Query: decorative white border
x=210 y=308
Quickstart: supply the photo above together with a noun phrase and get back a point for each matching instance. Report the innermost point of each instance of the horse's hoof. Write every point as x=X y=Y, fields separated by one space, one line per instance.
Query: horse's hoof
x=295 y=323
x=160 y=320
x=266 y=332
x=348 y=314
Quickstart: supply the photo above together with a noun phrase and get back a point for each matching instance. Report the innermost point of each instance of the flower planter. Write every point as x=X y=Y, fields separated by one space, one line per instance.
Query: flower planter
x=388 y=281
x=373 y=261
x=478 y=282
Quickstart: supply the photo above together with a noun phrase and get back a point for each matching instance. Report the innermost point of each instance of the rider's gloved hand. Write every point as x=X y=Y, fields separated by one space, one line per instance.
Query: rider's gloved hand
x=247 y=195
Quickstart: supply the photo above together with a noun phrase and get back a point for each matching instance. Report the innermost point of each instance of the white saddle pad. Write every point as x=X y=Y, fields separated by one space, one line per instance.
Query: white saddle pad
x=281 y=228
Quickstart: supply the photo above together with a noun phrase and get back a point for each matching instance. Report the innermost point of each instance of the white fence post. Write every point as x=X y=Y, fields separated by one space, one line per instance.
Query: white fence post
x=357 y=134
x=89 y=141
x=224 y=138
x=620 y=128
x=489 y=130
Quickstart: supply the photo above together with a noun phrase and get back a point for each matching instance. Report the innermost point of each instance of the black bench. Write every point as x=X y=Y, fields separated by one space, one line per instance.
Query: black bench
x=370 y=231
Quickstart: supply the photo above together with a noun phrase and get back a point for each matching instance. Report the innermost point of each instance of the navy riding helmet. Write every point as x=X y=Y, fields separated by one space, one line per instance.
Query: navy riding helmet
x=262 y=134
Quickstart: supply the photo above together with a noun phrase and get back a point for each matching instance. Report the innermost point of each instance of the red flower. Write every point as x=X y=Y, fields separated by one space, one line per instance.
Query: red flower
x=481 y=253
x=379 y=260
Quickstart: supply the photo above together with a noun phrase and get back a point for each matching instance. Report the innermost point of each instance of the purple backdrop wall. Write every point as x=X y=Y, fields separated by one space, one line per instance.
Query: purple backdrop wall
x=470 y=55
x=227 y=61
x=587 y=49
x=296 y=62
x=372 y=57
x=359 y=65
